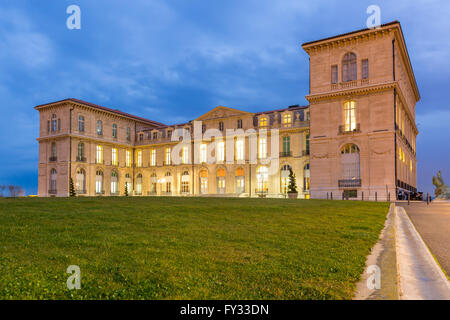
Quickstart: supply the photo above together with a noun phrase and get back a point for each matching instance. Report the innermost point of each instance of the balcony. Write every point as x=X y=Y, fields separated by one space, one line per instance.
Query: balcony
x=349 y=183
x=349 y=84
x=284 y=154
x=52 y=191
x=115 y=193
x=80 y=191
x=53 y=159
x=81 y=159
x=100 y=192
x=151 y=193
x=342 y=129
x=305 y=153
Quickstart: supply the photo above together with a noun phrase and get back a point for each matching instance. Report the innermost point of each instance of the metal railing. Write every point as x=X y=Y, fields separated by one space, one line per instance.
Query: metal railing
x=53 y=159
x=285 y=154
x=343 y=130
x=349 y=183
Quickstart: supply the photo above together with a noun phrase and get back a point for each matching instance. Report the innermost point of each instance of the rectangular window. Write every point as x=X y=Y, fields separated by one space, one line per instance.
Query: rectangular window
x=139 y=158
x=349 y=116
x=114 y=157
x=155 y=135
x=240 y=149
x=99 y=127
x=81 y=124
x=48 y=126
x=153 y=158
x=220 y=151
x=262 y=148
x=128 y=158
x=203 y=128
x=169 y=134
x=287 y=120
x=128 y=134
x=59 y=124
x=99 y=157
x=334 y=74
x=168 y=156
x=365 y=69
x=54 y=125
x=203 y=153
x=221 y=126
x=286 y=145
x=114 y=130
x=263 y=122
x=239 y=124
x=185 y=155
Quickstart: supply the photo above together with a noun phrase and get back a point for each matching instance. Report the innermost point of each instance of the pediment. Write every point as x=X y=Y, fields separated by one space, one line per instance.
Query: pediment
x=222 y=112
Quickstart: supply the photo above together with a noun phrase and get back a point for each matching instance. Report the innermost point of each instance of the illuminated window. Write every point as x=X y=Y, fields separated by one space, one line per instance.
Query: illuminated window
x=185 y=182
x=139 y=158
x=263 y=122
x=114 y=157
x=287 y=120
x=204 y=181
x=185 y=155
x=240 y=149
x=285 y=170
x=153 y=158
x=221 y=181
x=168 y=156
x=306 y=177
x=114 y=183
x=349 y=116
x=203 y=152
x=99 y=127
x=262 y=147
x=128 y=183
x=221 y=151
x=80 y=184
x=128 y=158
x=114 y=130
x=349 y=67
x=410 y=165
x=240 y=180
x=139 y=184
x=168 y=178
x=262 y=179
x=99 y=157
x=99 y=182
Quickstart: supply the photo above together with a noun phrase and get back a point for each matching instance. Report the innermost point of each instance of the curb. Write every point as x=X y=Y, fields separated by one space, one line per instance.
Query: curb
x=420 y=277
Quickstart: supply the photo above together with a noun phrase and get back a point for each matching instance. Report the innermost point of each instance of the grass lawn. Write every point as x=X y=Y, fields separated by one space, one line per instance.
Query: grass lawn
x=185 y=248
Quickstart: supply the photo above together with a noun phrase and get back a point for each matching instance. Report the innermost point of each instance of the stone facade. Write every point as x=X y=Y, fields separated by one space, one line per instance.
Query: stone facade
x=359 y=129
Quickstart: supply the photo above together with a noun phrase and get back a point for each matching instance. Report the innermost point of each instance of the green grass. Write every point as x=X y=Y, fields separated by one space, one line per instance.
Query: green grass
x=185 y=248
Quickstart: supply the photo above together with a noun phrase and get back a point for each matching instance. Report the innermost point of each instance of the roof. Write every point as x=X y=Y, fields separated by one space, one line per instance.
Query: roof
x=95 y=106
x=281 y=110
x=349 y=33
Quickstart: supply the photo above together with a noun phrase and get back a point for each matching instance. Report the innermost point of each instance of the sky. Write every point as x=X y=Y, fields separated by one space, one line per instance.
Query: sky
x=173 y=60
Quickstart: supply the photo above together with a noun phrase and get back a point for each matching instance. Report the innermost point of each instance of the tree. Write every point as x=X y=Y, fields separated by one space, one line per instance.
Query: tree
x=71 y=189
x=15 y=191
x=126 y=189
x=292 y=187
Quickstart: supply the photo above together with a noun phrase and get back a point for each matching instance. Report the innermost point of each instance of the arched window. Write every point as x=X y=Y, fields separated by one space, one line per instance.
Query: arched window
x=262 y=179
x=80 y=123
x=114 y=130
x=284 y=178
x=185 y=182
x=349 y=116
x=80 y=184
x=153 y=183
x=204 y=181
x=240 y=181
x=350 y=162
x=114 y=183
x=306 y=177
x=128 y=183
x=139 y=184
x=80 y=156
x=99 y=182
x=168 y=179
x=53 y=177
x=221 y=181
x=349 y=67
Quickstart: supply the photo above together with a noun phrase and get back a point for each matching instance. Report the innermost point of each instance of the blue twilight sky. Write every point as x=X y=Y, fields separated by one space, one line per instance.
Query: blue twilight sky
x=172 y=60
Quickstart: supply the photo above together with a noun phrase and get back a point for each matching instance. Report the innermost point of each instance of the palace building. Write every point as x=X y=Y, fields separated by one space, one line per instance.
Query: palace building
x=355 y=139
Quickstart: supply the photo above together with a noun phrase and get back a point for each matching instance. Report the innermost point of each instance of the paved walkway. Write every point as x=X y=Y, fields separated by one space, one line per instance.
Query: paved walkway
x=433 y=224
